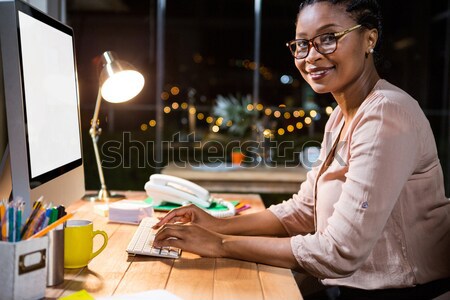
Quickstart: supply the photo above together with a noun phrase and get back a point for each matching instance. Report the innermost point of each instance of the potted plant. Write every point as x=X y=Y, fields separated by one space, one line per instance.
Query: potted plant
x=237 y=117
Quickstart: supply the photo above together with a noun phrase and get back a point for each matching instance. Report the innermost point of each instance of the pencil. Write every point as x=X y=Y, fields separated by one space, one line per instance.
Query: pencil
x=36 y=207
x=52 y=226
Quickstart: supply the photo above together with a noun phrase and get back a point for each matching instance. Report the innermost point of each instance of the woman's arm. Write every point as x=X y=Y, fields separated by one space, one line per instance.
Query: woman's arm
x=266 y=250
x=196 y=239
x=383 y=152
x=261 y=223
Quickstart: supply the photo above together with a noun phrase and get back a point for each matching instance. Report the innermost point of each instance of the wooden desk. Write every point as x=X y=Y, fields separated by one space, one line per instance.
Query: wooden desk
x=261 y=179
x=112 y=272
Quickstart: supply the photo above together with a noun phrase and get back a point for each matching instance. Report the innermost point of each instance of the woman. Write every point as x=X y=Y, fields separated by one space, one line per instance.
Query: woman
x=372 y=217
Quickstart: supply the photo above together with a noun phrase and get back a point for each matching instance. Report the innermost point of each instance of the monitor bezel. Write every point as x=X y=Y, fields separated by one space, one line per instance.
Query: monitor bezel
x=63 y=189
x=40 y=16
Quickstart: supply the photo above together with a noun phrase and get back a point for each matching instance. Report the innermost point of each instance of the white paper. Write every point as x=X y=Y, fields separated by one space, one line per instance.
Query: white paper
x=129 y=211
x=148 y=295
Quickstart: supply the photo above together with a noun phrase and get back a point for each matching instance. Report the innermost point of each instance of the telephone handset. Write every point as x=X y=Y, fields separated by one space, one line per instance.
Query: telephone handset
x=167 y=188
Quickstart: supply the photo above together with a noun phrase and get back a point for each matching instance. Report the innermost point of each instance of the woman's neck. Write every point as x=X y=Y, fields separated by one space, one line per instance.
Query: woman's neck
x=351 y=98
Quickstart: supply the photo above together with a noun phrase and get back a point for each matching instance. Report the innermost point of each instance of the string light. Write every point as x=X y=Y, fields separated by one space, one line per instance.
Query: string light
x=175 y=90
x=282 y=111
x=328 y=110
x=164 y=95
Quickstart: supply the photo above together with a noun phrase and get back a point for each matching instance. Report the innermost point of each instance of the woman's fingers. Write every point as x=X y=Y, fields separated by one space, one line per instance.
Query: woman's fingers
x=189 y=237
x=169 y=235
x=181 y=214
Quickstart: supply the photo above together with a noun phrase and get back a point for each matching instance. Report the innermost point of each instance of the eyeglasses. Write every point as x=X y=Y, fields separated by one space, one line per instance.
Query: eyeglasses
x=325 y=43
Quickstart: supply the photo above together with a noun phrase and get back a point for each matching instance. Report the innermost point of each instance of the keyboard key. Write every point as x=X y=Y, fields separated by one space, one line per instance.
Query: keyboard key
x=142 y=242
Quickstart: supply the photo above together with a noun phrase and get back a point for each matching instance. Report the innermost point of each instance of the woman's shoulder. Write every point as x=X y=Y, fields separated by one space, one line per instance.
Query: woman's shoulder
x=388 y=98
x=386 y=94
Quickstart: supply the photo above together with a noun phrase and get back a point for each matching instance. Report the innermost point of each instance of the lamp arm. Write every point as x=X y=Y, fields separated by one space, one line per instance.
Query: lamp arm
x=96 y=112
x=95 y=132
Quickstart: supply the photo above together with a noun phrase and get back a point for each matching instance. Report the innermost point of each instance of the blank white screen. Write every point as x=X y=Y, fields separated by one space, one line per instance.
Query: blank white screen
x=50 y=95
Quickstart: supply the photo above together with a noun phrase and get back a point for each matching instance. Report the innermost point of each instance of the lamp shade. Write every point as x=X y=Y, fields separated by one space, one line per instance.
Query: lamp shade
x=119 y=80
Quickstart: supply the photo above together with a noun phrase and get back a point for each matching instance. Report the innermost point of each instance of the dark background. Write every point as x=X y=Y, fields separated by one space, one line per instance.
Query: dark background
x=209 y=50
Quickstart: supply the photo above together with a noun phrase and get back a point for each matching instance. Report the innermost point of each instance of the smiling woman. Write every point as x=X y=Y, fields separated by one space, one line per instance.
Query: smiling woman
x=346 y=45
x=361 y=221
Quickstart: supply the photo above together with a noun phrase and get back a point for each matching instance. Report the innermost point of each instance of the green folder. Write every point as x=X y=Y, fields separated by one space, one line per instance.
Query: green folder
x=169 y=206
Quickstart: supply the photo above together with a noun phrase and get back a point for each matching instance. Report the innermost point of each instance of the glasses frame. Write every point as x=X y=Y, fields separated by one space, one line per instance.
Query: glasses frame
x=311 y=42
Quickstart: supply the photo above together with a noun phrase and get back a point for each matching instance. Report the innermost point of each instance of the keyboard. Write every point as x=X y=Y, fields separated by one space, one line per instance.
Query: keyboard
x=142 y=241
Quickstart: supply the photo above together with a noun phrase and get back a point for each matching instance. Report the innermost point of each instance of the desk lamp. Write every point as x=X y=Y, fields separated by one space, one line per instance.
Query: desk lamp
x=119 y=82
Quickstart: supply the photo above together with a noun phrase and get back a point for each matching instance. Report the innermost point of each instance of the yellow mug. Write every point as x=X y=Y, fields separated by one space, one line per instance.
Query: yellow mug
x=78 y=243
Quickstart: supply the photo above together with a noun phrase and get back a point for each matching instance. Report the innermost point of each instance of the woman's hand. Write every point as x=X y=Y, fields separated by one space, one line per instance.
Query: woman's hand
x=199 y=240
x=188 y=214
x=190 y=237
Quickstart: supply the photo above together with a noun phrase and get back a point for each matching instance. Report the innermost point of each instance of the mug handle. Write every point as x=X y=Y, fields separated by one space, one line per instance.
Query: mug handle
x=105 y=242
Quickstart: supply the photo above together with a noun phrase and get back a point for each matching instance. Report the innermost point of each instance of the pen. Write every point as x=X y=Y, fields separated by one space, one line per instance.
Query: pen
x=2 y=214
x=244 y=207
x=53 y=215
x=36 y=206
x=40 y=215
x=19 y=219
x=40 y=218
x=11 y=233
x=48 y=213
x=52 y=226
x=61 y=211
x=239 y=205
x=5 y=221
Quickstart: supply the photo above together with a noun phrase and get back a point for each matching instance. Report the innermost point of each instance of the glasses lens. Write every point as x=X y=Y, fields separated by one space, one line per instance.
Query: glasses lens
x=325 y=43
x=299 y=48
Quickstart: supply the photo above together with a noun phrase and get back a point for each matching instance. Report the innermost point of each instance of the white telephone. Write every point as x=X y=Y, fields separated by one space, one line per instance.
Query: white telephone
x=166 y=188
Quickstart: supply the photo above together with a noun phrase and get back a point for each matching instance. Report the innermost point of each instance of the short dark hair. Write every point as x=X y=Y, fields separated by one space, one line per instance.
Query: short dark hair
x=365 y=12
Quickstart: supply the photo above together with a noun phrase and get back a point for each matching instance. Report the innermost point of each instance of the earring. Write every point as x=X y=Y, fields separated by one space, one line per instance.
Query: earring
x=371 y=50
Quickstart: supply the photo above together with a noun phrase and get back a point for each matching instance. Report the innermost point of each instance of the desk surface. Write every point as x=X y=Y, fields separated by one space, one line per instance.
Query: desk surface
x=112 y=272
x=261 y=179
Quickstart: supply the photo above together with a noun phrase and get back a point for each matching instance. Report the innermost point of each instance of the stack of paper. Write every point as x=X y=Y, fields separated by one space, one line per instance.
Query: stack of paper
x=129 y=211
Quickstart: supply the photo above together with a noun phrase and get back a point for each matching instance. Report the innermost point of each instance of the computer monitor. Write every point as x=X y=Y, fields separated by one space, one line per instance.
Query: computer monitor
x=41 y=107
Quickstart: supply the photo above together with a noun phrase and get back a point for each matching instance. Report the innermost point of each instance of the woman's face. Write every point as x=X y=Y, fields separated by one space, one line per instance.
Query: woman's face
x=336 y=71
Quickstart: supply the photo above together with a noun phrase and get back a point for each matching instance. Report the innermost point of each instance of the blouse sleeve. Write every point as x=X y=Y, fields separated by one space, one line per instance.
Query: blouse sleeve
x=383 y=150
x=297 y=214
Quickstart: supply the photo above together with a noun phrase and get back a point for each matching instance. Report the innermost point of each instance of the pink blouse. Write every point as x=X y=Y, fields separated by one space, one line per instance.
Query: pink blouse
x=377 y=217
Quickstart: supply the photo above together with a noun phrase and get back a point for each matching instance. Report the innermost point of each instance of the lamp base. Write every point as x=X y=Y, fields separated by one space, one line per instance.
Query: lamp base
x=103 y=196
